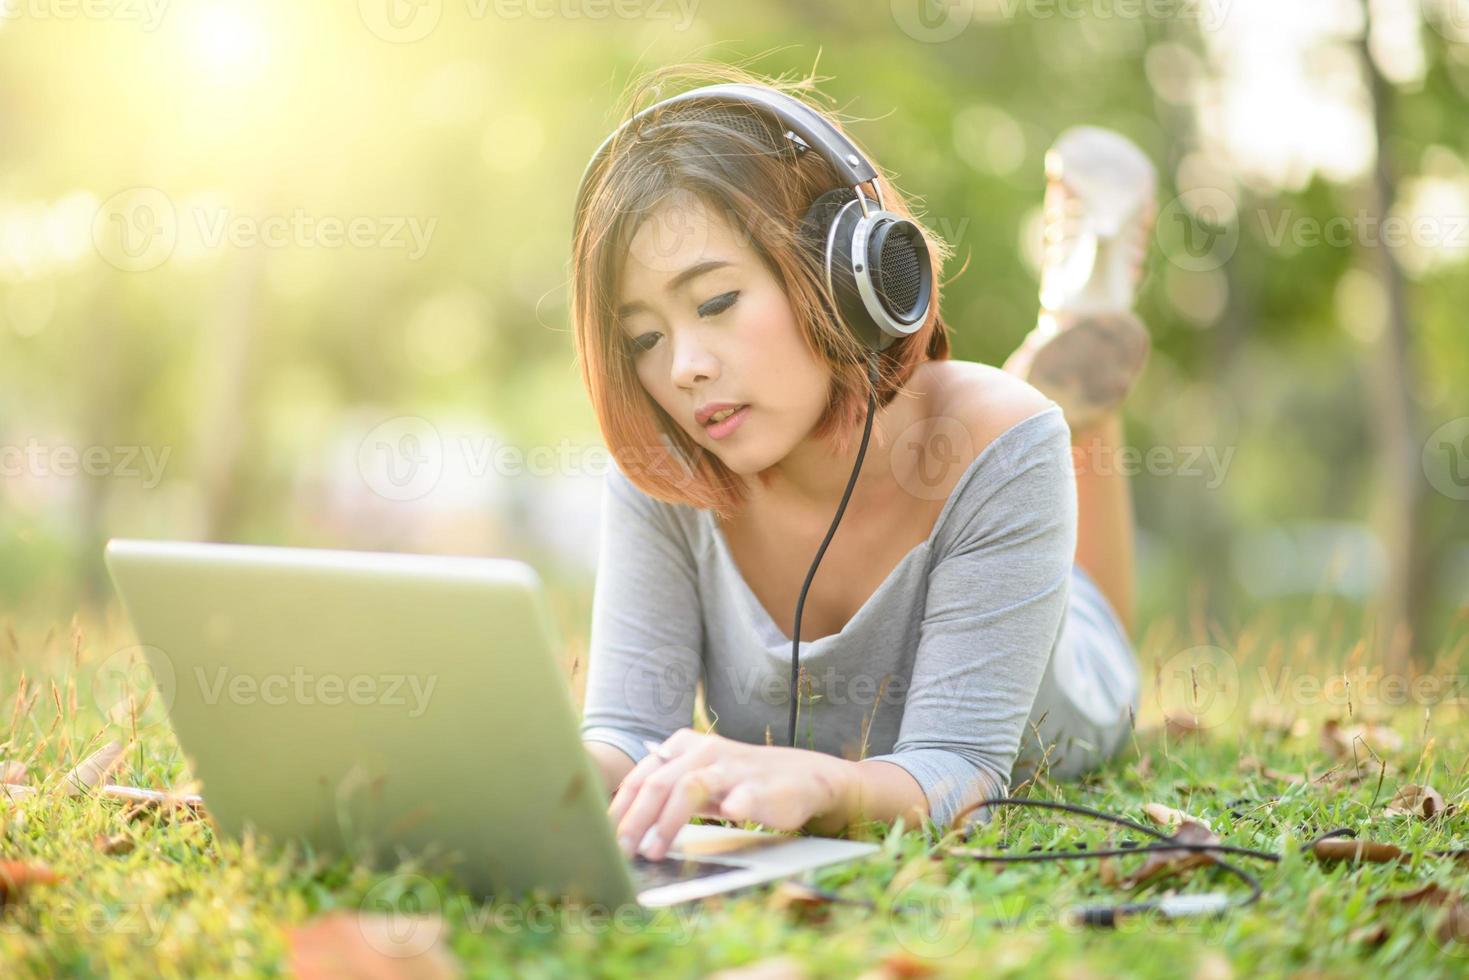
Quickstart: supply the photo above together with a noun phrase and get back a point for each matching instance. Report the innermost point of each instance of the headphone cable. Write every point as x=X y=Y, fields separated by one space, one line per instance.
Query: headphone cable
x=872 y=376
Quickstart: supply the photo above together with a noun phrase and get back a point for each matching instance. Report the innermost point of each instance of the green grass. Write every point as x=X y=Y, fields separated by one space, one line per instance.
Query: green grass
x=184 y=903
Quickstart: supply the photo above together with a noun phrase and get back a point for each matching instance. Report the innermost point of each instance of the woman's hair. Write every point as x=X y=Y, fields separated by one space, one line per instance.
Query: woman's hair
x=735 y=160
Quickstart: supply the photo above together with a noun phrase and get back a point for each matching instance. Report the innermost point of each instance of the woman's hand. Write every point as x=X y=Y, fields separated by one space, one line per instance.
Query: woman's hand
x=710 y=775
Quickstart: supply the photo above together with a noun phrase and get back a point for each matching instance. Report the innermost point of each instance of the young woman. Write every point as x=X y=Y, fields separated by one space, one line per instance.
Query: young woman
x=969 y=621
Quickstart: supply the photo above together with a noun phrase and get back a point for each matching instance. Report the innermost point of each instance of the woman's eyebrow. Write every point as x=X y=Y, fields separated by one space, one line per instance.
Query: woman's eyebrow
x=687 y=275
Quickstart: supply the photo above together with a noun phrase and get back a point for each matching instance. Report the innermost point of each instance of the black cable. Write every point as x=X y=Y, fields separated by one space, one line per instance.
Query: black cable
x=872 y=368
x=1107 y=916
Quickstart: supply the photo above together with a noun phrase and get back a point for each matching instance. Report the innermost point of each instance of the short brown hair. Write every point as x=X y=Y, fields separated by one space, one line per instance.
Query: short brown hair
x=688 y=149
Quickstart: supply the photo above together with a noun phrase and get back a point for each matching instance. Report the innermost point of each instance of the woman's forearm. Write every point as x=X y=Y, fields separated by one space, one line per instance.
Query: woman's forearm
x=612 y=763
x=872 y=790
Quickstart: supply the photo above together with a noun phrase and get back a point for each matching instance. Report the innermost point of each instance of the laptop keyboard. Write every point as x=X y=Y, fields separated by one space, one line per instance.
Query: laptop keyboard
x=652 y=874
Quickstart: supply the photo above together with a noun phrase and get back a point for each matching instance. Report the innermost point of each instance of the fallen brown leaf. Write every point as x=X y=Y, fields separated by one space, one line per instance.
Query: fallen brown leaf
x=1347 y=741
x=1183 y=726
x=115 y=844
x=775 y=968
x=1166 y=816
x=1250 y=763
x=1369 y=935
x=1272 y=719
x=91 y=771
x=800 y=900
x=13 y=792
x=1162 y=863
x=18 y=876
x=1453 y=927
x=1357 y=851
x=1423 y=802
x=1430 y=894
x=341 y=945
x=902 y=965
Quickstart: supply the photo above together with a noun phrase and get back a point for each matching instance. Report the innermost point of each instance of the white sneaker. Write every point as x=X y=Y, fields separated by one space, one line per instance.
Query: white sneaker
x=1087 y=348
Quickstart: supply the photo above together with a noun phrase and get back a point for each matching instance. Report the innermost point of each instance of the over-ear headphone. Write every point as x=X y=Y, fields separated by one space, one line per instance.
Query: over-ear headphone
x=875 y=262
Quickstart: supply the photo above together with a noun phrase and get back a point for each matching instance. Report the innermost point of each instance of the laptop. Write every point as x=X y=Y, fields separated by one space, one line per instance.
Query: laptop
x=393 y=706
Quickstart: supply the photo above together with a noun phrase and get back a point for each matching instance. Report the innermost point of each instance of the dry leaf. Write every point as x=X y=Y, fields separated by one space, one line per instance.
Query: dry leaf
x=775 y=968
x=901 y=965
x=1346 y=742
x=1166 y=816
x=1413 y=800
x=114 y=845
x=1430 y=894
x=1107 y=871
x=1183 y=726
x=1453 y=927
x=1272 y=719
x=1370 y=935
x=92 y=770
x=17 y=876
x=341 y=945
x=1250 y=763
x=1346 y=849
x=17 y=792
x=800 y=900
x=1161 y=863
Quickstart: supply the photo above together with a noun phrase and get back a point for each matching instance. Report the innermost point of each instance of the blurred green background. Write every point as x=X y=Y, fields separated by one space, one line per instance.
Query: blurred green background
x=295 y=273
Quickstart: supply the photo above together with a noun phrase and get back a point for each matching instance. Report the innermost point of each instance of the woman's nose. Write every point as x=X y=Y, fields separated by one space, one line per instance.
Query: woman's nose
x=693 y=362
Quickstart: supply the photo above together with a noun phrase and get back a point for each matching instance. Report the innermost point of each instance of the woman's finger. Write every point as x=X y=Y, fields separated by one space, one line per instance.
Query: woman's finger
x=694 y=792
x=651 y=794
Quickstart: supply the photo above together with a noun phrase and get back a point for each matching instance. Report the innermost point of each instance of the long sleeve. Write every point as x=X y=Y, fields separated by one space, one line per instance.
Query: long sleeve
x=647 y=626
x=996 y=601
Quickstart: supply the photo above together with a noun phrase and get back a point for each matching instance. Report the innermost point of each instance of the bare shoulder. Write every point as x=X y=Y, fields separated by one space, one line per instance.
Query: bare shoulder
x=985 y=400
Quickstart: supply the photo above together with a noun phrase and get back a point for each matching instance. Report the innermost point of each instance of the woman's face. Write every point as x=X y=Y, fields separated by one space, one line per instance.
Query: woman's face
x=708 y=323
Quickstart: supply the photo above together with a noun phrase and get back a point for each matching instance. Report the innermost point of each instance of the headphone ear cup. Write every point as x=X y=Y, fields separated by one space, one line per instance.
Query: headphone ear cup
x=832 y=256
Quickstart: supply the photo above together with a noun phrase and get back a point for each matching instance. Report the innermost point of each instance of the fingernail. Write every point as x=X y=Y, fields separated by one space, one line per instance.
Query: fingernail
x=651 y=840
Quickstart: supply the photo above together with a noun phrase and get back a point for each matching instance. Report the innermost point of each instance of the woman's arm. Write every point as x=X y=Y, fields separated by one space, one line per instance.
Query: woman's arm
x=612 y=763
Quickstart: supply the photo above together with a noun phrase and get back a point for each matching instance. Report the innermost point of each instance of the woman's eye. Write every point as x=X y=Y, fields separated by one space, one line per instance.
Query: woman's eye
x=719 y=304
x=643 y=342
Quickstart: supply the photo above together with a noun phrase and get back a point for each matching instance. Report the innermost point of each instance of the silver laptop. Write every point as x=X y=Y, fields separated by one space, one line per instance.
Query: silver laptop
x=389 y=706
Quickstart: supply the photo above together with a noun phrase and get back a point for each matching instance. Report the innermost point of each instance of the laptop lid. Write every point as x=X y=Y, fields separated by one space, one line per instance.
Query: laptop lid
x=377 y=705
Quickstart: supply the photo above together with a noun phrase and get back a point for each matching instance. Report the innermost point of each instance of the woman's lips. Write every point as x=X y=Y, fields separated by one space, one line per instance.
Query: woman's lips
x=718 y=430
